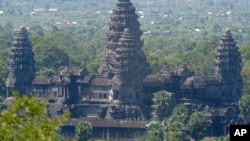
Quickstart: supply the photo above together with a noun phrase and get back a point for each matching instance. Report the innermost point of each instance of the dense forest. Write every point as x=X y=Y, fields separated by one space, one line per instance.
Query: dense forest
x=176 y=32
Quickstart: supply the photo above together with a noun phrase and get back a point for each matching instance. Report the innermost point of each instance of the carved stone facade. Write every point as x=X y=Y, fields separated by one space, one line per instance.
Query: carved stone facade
x=216 y=95
x=119 y=96
x=21 y=64
x=228 y=66
x=124 y=60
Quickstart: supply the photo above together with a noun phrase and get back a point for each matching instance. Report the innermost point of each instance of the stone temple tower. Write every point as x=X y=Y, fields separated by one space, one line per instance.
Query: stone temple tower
x=124 y=60
x=228 y=65
x=20 y=64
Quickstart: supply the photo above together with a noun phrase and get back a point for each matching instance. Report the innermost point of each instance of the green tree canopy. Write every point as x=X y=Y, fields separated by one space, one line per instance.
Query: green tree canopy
x=175 y=124
x=197 y=125
x=223 y=138
x=83 y=131
x=154 y=131
x=27 y=119
x=244 y=105
x=162 y=103
x=48 y=54
x=46 y=72
x=3 y=72
x=150 y=137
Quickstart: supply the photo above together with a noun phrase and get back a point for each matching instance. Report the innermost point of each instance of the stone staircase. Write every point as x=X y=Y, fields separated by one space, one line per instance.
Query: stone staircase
x=108 y=114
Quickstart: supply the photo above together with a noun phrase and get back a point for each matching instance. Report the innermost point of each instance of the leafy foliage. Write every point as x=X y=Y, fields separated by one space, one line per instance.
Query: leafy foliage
x=3 y=72
x=225 y=138
x=171 y=128
x=175 y=124
x=49 y=55
x=154 y=131
x=150 y=137
x=162 y=103
x=244 y=105
x=83 y=131
x=27 y=119
x=197 y=125
x=46 y=72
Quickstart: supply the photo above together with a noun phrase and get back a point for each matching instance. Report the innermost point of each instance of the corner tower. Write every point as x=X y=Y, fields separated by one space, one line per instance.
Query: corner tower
x=228 y=65
x=124 y=61
x=228 y=59
x=20 y=64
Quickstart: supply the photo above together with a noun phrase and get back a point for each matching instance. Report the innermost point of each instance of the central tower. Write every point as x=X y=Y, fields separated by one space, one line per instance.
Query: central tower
x=124 y=61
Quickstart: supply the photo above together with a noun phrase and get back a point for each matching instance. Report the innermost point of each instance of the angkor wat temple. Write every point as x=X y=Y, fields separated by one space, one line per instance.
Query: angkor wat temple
x=117 y=100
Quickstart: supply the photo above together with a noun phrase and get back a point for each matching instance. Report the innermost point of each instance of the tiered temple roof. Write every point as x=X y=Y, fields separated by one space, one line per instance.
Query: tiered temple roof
x=126 y=56
x=124 y=62
x=20 y=63
x=123 y=17
x=228 y=59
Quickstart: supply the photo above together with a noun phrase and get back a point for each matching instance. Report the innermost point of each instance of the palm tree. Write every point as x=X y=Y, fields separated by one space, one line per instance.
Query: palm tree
x=174 y=125
x=162 y=103
x=197 y=125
